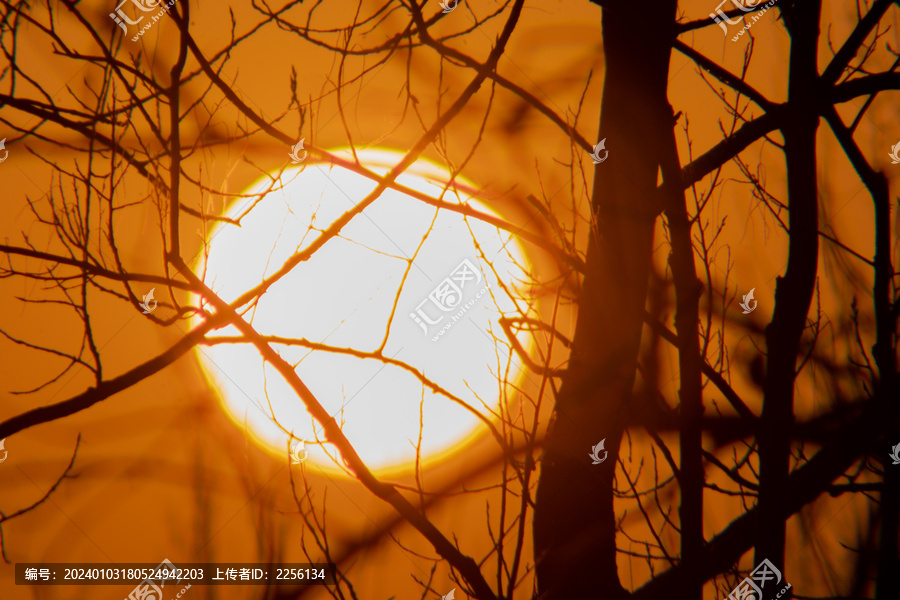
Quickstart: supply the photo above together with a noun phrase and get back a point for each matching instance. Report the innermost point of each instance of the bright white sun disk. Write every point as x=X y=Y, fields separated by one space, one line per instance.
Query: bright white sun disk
x=346 y=296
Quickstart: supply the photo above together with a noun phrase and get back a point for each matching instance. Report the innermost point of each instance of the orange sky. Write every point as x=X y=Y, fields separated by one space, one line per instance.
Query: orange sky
x=163 y=473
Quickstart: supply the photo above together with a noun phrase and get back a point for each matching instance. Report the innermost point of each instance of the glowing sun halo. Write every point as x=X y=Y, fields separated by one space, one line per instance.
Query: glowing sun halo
x=344 y=297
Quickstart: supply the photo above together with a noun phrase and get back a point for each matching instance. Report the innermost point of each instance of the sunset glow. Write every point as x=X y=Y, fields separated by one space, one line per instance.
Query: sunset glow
x=343 y=297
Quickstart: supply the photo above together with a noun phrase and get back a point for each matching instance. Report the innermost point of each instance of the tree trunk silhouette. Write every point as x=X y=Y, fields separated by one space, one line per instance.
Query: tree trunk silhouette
x=574 y=524
x=164 y=118
x=793 y=291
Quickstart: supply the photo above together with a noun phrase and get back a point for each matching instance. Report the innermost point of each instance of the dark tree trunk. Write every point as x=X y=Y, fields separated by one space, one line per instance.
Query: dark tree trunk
x=574 y=525
x=887 y=586
x=793 y=291
x=687 y=314
x=887 y=519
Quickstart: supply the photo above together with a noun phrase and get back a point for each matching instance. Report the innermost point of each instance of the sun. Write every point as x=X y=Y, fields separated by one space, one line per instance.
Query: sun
x=392 y=324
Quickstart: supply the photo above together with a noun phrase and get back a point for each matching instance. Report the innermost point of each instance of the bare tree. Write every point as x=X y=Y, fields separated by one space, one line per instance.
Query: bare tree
x=643 y=249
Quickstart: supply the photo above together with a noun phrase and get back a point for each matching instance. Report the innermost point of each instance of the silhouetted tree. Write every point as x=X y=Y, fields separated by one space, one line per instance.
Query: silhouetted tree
x=759 y=459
